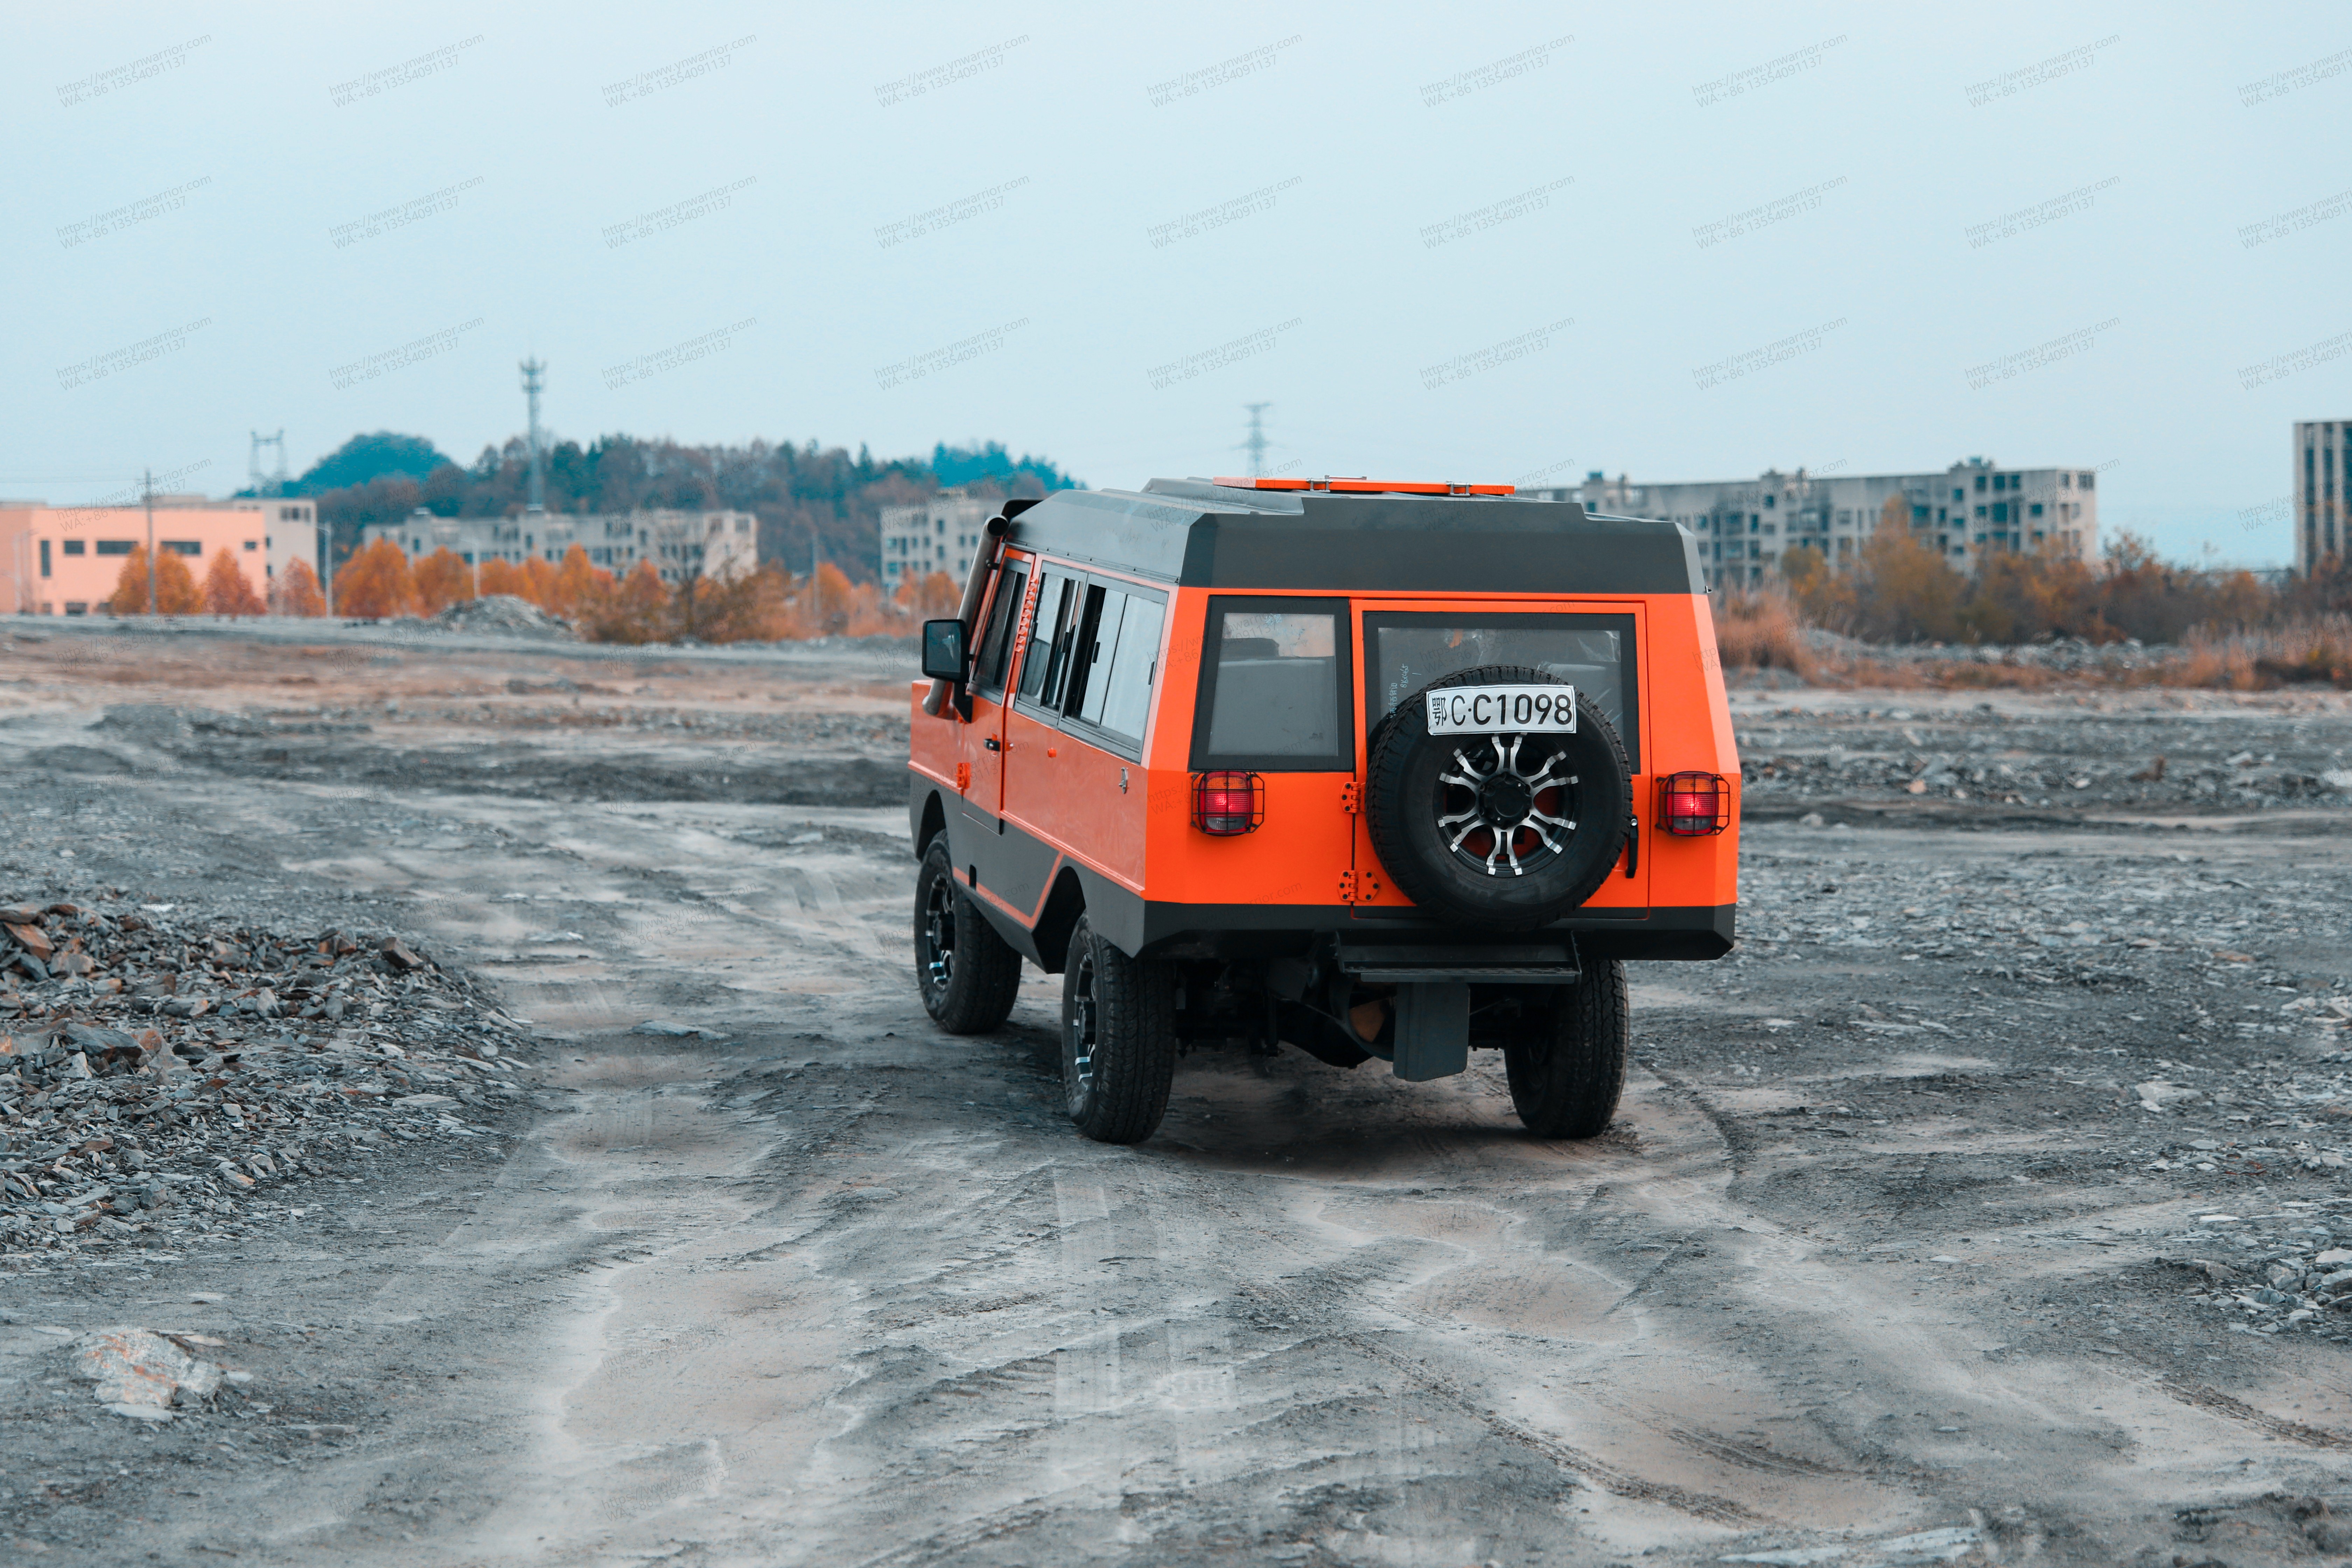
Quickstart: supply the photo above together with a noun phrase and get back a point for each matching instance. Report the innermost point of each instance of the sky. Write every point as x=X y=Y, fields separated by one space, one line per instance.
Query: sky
x=1512 y=243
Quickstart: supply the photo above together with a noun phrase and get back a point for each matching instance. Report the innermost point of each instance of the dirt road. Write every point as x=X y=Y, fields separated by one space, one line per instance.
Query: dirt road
x=1890 y=1258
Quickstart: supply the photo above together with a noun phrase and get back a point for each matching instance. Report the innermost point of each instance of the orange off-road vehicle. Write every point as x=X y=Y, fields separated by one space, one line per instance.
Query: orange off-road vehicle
x=1373 y=770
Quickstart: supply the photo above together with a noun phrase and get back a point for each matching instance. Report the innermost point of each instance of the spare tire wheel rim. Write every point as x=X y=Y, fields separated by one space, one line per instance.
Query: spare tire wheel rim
x=1501 y=812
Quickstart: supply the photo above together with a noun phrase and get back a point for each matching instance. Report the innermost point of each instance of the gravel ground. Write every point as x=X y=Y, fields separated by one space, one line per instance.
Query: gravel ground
x=1981 y=1207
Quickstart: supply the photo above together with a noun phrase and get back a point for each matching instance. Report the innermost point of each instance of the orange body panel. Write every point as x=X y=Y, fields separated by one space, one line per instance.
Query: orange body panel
x=1143 y=835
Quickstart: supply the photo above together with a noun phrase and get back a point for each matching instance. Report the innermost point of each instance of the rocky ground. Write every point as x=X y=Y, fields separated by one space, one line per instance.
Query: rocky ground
x=1989 y=1204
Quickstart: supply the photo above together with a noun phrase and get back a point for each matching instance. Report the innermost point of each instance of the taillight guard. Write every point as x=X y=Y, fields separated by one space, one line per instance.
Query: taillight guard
x=1693 y=805
x=1228 y=802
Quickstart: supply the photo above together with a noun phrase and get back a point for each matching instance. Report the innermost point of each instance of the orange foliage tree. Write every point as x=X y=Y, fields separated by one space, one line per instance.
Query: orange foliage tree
x=932 y=598
x=637 y=611
x=502 y=577
x=539 y=582
x=376 y=583
x=175 y=586
x=296 y=592
x=228 y=592
x=578 y=584
x=442 y=579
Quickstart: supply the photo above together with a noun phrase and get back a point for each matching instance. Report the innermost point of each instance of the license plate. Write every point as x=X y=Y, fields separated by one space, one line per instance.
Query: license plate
x=1502 y=709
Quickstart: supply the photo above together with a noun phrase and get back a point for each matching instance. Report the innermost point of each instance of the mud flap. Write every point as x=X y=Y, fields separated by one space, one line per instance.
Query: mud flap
x=1433 y=1029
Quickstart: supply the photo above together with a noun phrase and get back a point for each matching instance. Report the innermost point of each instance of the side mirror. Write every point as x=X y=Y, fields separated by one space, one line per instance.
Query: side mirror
x=943 y=650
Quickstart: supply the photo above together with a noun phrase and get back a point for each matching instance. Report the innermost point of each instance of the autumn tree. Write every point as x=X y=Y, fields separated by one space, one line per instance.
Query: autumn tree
x=502 y=577
x=376 y=583
x=442 y=579
x=931 y=598
x=539 y=582
x=578 y=584
x=227 y=591
x=296 y=592
x=637 y=611
x=177 y=592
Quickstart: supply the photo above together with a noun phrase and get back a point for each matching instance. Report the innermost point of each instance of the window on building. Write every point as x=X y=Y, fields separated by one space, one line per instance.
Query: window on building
x=74 y=546
x=2065 y=481
x=1845 y=518
x=1980 y=481
x=77 y=607
x=2001 y=512
x=117 y=546
x=182 y=547
x=2034 y=510
x=1768 y=502
x=253 y=544
x=1980 y=512
x=2083 y=480
x=45 y=558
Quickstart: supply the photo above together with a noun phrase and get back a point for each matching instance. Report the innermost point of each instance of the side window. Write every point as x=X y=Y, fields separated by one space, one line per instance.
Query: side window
x=996 y=644
x=1098 y=637
x=1134 y=668
x=1274 y=687
x=1045 y=669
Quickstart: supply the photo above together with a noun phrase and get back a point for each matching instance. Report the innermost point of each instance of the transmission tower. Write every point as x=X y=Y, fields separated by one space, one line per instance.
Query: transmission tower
x=1257 y=443
x=252 y=465
x=534 y=372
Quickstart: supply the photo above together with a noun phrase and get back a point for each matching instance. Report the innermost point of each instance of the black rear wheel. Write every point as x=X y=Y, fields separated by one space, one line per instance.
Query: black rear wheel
x=1119 y=1039
x=1565 y=1083
x=969 y=975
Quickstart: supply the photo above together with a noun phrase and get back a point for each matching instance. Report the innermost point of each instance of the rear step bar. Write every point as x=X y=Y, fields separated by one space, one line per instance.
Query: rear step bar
x=1541 y=963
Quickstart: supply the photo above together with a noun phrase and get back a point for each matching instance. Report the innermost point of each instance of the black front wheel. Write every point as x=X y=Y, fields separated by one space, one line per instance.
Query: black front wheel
x=1565 y=1082
x=1119 y=1039
x=969 y=975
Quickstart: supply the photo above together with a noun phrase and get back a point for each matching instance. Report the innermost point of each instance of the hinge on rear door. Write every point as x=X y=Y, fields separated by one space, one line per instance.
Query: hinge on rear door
x=1351 y=797
x=1357 y=888
x=963 y=777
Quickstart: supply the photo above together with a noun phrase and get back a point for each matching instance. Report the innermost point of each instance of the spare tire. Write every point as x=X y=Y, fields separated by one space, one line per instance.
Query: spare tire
x=1506 y=832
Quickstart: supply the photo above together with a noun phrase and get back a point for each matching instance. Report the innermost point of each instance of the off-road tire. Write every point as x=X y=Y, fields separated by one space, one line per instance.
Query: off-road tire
x=1566 y=1083
x=1119 y=1039
x=1405 y=795
x=969 y=975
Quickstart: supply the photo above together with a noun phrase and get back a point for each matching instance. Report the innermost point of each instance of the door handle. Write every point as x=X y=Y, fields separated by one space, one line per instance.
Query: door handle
x=993 y=745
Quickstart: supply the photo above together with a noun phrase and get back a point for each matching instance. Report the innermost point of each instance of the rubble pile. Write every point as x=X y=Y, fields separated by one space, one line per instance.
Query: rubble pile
x=2059 y=656
x=157 y=1075
x=502 y=613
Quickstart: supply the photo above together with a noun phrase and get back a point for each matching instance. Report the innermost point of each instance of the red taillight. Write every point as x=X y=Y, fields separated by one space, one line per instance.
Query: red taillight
x=1227 y=803
x=1693 y=805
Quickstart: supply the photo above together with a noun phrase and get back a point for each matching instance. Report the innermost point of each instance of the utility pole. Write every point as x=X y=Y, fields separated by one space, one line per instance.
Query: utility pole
x=534 y=371
x=1256 y=443
x=147 y=489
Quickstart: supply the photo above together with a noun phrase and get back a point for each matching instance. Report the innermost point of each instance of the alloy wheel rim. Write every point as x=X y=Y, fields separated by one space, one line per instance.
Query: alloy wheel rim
x=1082 y=1034
x=1502 y=813
x=938 y=935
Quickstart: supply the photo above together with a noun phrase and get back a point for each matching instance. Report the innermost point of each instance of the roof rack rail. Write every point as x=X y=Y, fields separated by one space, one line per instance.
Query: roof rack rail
x=1360 y=485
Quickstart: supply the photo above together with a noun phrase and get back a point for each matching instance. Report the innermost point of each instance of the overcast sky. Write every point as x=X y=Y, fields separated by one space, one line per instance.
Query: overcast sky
x=1443 y=242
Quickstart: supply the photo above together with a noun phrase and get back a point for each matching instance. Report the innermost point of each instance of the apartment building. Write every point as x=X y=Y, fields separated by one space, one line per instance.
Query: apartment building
x=680 y=544
x=2323 y=461
x=941 y=534
x=1965 y=513
x=66 y=561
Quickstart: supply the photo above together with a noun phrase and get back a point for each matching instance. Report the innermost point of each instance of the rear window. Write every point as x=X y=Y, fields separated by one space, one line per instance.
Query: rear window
x=1274 y=687
x=1403 y=653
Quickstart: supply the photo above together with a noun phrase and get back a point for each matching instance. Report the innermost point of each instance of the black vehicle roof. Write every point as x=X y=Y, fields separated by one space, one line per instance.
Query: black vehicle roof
x=1197 y=532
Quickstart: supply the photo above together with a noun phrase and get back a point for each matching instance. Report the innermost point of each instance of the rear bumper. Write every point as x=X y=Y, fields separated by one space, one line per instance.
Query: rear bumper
x=1688 y=933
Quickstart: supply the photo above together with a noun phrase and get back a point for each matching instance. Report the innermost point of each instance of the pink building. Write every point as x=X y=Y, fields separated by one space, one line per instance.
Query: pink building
x=66 y=561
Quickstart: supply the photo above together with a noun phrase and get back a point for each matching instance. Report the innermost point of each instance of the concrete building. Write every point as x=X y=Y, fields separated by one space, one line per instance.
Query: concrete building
x=2323 y=461
x=680 y=544
x=1964 y=513
x=942 y=534
x=66 y=561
